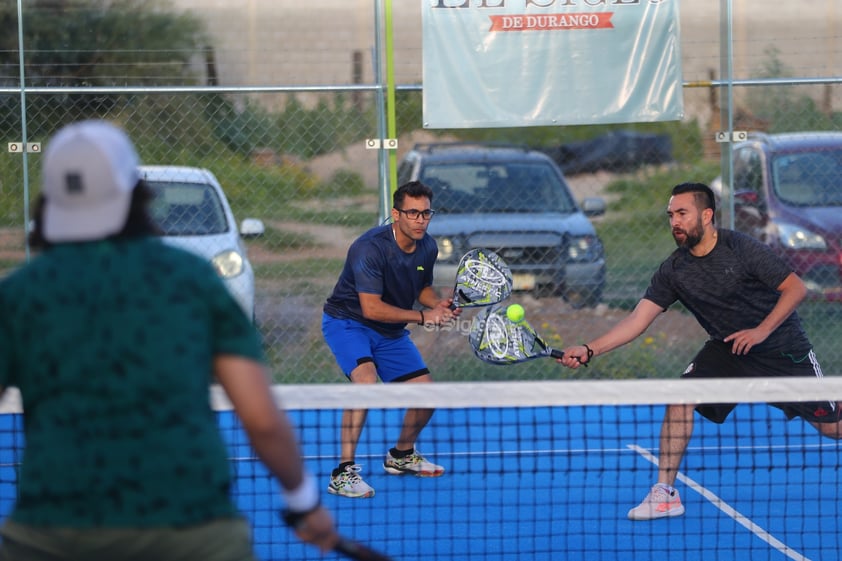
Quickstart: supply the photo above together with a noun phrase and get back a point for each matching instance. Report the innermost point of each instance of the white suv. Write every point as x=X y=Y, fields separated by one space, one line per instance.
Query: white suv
x=193 y=212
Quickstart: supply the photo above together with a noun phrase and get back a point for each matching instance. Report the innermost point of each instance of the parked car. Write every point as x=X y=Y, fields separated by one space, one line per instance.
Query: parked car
x=514 y=201
x=788 y=193
x=615 y=151
x=193 y=212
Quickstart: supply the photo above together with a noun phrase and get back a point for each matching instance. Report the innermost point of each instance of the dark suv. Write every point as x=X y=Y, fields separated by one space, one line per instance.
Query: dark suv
x=514 y=201
x=788 y=193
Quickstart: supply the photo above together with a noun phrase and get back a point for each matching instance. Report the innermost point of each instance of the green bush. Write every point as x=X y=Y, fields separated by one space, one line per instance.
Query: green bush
x=787 y=108
x=344 y=183
x=329 y=126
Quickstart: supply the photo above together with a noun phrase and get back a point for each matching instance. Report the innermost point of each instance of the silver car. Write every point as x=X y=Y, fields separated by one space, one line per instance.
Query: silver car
x=193 y=212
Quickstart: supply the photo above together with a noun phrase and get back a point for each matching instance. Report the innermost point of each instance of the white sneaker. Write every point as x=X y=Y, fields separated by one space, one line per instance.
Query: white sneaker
x=413 y=464
x=348 y=483
x=661 y=502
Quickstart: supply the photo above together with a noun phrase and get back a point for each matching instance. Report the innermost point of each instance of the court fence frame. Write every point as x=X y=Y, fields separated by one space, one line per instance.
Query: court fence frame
x=282 y=295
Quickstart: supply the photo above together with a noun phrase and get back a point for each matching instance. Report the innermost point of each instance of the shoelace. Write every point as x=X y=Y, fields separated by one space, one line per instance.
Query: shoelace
x=660 y=495
x=351 y=474
x=414 y=458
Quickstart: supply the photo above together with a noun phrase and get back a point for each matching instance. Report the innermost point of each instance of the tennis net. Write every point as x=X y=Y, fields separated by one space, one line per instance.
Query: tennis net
x=539 y=470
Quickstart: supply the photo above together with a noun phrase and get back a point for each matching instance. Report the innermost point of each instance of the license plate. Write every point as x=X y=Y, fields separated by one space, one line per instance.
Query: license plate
x=523 y=282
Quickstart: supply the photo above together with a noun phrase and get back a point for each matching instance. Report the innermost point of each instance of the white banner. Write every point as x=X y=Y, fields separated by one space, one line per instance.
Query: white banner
x=513 y=63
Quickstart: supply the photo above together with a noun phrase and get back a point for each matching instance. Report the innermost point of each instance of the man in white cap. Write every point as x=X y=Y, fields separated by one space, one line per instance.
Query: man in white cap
x=113 y=338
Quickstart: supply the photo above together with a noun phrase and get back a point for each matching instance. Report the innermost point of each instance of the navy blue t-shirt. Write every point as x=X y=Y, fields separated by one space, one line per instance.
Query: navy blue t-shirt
x=734 y=287
x=376 y=265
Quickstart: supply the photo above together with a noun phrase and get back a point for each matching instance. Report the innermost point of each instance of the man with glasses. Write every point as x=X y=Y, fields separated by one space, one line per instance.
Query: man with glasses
x=388 y=269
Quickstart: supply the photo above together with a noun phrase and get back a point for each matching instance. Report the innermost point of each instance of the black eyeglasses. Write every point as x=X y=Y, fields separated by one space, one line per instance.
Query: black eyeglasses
x=414 y=213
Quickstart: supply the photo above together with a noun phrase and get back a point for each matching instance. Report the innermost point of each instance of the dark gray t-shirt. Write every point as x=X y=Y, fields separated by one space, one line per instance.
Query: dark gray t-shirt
x=733 y=287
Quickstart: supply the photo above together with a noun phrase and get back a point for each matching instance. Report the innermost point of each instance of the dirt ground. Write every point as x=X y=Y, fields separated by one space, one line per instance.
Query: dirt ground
x=557 y=321
x=562 y=326
x=552 y=317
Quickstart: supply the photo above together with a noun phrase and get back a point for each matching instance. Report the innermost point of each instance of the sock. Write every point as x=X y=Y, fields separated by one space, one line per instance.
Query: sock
x=341 y=467
x=400 y=453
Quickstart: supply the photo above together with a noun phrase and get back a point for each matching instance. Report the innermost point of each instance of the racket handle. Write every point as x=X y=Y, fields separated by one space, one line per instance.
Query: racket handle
x=559 y=354
x=345 y=546
x=355 y=550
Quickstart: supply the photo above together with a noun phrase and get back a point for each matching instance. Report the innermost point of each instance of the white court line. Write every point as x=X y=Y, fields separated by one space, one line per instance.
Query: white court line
x=563 y=451
x=728 y=510
x=714 y=499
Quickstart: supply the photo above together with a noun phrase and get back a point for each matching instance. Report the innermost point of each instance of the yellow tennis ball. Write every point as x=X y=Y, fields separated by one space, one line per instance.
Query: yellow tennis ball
x=515 y=312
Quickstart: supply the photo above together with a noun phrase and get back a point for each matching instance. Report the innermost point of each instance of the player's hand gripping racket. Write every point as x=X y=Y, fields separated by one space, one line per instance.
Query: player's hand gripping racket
x=355 y=550
x=345 y=546
x=482 y=279
x=496 y=339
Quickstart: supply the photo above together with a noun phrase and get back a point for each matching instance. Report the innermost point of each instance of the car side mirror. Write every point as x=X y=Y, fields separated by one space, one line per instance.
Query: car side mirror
x=746 y=198
x=252 y=228
x=593 y=206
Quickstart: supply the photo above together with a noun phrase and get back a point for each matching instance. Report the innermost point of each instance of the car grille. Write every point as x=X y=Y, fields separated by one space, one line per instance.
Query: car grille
x=521 y=249
x=529 y=255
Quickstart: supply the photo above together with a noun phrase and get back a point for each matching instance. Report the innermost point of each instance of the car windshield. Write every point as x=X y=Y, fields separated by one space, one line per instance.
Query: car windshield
x=187 y=209
x=809 y=178
x=497 y=187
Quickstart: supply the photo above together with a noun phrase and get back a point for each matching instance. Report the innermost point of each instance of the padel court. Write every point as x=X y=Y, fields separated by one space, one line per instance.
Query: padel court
x=556 y=483
x=542 y=482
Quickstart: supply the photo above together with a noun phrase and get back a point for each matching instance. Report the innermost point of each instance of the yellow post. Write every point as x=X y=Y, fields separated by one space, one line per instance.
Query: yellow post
x=391 y=126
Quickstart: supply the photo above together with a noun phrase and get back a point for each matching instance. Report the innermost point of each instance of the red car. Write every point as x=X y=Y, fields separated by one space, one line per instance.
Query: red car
x=788 y=193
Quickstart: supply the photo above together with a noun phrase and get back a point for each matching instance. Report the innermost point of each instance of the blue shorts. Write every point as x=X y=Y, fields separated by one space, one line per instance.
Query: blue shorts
x=396 y=359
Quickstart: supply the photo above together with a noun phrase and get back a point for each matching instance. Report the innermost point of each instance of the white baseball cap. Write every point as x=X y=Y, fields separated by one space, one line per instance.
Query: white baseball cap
x=90 y=169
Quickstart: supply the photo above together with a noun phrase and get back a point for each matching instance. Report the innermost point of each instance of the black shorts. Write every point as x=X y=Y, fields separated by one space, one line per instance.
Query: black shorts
x=716 y=360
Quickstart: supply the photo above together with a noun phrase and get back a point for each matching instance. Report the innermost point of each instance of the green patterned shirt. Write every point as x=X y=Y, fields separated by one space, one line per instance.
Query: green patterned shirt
x=111 y=345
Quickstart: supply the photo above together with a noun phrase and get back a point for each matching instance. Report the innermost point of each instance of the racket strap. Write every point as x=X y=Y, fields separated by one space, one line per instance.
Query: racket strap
x=590 y=353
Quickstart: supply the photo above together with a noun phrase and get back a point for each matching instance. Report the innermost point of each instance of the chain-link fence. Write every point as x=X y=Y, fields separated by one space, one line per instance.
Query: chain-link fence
x=298 y=158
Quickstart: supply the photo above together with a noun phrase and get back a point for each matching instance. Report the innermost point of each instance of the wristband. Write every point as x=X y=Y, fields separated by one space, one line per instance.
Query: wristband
x=590 y=352
x=422 y=317
x=295 y=519
x=304 y=498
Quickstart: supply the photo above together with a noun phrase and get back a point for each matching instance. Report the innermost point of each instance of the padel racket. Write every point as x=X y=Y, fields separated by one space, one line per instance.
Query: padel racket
x=355 y=550
x=498 y=340
x=482 y=279
x=345 y=546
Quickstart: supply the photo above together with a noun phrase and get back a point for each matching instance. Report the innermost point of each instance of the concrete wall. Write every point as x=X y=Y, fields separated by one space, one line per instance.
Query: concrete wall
x=312 y=42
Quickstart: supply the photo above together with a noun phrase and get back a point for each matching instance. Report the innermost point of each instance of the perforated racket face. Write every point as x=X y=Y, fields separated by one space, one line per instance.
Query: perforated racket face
x=482 y=279
x=498 y=340
x=496 y=336
x=479 y=271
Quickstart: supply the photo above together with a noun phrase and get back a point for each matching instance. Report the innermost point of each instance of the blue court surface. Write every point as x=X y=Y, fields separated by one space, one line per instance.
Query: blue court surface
x=544 y=483
x=553 y=483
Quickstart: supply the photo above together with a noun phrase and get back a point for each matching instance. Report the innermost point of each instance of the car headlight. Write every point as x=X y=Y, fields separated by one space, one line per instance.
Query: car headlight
x=584 y=248
x=228 y=264
x=797 y=237
x=447 y=249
